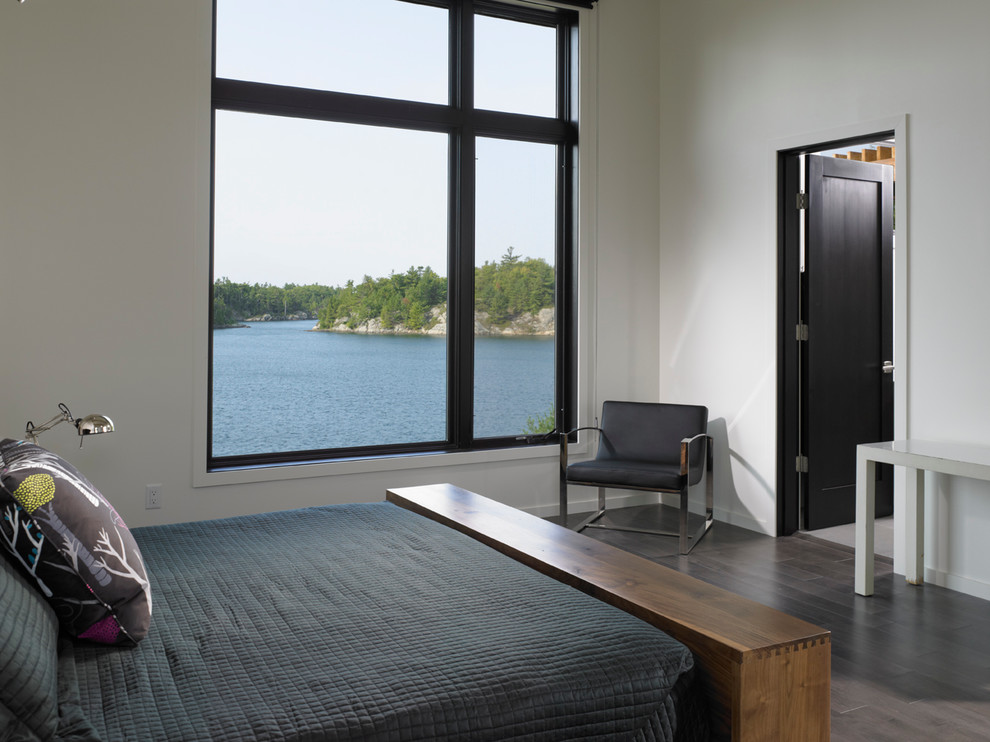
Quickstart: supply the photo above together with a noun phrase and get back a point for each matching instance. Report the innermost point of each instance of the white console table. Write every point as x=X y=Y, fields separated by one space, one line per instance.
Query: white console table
x=917 y=457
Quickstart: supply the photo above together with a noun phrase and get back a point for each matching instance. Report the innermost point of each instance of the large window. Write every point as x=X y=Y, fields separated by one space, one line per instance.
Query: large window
x=393 y=241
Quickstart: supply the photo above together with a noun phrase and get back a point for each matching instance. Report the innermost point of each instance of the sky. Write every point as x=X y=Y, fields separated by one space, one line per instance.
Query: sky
x=299 y=201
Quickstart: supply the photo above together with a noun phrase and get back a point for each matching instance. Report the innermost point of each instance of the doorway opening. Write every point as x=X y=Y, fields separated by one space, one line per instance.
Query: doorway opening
x=836 y=232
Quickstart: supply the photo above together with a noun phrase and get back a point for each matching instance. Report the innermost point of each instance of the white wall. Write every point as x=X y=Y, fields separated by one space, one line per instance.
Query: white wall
x=628 y=229
x=104 y=188
x=736 y=78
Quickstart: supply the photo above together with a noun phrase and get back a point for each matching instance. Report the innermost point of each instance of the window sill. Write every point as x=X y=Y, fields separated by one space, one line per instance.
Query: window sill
x=282 y=472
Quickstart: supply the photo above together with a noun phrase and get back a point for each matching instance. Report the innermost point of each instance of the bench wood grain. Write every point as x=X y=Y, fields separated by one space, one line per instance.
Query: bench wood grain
x=766 y=673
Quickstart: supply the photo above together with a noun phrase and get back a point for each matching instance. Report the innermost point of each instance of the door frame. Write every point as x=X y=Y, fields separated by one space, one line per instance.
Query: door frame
x=786 y=220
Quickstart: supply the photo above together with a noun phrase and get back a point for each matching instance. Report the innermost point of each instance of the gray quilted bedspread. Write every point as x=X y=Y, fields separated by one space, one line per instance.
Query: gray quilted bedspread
x=368 y=622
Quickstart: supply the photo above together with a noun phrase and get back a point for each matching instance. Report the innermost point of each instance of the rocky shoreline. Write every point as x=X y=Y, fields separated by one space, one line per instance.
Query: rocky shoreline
x=294 y=317
x=540 y=324
x=527 y=324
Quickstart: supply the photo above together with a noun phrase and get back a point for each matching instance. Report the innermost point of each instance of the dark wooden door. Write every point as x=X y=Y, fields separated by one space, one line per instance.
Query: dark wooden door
x=847 y=306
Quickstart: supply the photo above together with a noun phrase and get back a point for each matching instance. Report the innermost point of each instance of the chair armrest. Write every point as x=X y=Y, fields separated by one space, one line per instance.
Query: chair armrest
x=584 y=427
x=547 y=437
x=563 y=444
x=687 y=445
x=563 y=467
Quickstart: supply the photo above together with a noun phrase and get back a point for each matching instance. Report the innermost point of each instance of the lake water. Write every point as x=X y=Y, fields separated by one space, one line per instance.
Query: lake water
x=279 y=387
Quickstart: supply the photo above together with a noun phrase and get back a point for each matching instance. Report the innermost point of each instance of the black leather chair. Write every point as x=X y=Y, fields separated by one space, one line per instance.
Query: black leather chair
x=652 y=447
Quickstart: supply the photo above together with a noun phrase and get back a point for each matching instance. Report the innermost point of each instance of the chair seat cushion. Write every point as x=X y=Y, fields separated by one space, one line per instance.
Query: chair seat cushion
x=620 y=473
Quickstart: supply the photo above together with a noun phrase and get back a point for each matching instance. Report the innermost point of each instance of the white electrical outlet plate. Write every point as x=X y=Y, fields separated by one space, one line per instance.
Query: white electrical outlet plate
x=152 y=496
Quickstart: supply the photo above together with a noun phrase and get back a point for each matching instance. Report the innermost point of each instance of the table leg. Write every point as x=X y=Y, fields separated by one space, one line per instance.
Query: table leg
x=866 y=487
x=914 y=526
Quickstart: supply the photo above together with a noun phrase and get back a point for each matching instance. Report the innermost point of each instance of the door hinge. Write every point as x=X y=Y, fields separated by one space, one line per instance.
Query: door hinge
x=801 y=202
x=801 y=465
x=801 y=332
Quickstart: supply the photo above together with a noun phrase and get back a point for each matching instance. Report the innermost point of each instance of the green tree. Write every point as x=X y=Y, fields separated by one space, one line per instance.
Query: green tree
x=513 y=286
x=510 y=258
x=541 y=423
x=221 y=315
x=505 y=290
x=391 y=314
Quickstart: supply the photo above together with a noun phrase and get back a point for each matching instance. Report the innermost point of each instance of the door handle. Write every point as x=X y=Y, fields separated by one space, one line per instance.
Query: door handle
x=888 y=367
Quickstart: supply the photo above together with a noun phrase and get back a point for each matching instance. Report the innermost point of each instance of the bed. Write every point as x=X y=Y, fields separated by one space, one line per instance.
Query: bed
x=766 y=675
x=371 y=621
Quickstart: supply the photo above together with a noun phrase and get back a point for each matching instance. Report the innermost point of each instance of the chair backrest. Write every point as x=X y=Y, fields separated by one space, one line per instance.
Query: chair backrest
x=651 y=431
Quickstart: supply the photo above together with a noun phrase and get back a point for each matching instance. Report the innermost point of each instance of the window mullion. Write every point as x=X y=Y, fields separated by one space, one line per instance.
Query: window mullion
x=461 y=316
x=567 y=233
x=327 y=105
x=461 y=313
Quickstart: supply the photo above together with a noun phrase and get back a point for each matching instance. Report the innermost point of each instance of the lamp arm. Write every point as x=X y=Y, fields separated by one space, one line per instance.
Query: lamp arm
x=64 y=416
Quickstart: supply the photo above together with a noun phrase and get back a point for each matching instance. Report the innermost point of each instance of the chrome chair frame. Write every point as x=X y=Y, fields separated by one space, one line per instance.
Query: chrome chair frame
x=687 y=448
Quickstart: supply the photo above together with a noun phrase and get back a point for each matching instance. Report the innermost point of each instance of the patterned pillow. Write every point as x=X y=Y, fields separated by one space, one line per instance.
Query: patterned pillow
x=74 y=545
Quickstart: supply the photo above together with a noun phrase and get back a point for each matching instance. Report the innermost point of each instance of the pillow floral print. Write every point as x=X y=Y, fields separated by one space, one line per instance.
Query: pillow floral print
x=71 y=541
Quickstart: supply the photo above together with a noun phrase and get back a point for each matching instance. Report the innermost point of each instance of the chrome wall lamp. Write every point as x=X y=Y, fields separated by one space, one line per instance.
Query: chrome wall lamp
x=89 y=425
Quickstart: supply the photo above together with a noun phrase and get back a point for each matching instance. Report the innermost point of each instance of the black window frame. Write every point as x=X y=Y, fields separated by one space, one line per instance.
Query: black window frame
x=464 y=124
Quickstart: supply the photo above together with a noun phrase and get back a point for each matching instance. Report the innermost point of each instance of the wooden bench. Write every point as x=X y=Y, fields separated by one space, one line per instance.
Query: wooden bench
x=767 y=674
